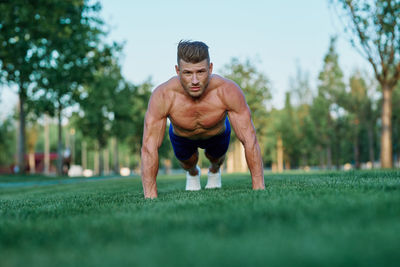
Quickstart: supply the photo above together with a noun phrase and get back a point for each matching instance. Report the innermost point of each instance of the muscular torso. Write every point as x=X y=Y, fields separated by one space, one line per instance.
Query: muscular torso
x=197 y=118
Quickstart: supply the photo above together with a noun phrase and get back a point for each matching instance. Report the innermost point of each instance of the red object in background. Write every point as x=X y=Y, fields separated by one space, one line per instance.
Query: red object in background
x=39 y=164
x=7 y=169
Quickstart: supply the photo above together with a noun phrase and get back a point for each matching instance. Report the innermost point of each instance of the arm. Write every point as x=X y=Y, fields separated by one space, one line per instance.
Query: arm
x=240 y=118
x=153 y=134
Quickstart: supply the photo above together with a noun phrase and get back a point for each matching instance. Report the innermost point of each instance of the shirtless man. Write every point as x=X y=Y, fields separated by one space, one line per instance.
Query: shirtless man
x=198 y=103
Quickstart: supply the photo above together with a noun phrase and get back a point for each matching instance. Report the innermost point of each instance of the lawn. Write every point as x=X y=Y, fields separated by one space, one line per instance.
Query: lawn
x=301 y=219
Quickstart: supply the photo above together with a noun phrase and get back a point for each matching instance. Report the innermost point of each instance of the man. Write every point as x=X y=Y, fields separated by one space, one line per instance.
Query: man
x=198 y=104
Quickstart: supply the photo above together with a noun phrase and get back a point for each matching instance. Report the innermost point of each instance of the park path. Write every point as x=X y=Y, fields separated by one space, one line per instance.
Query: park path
x=55 y=182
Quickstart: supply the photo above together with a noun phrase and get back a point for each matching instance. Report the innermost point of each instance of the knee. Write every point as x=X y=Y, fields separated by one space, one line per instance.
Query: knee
x=191 y=162
x=215 y=160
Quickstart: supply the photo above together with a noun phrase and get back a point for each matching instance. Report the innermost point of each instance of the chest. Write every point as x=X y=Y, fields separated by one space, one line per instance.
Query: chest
x=204 y=114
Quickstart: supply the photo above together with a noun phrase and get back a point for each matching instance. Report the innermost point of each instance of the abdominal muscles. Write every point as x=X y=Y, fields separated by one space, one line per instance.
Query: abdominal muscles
x=198 y=126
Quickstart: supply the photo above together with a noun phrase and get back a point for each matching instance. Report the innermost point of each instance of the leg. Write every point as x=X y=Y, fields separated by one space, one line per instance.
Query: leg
x=186 y=152
x=217 y=147
x=192 y=172
x=184 y=149
x=215 y=162
x=190 y=164
x=214 y=174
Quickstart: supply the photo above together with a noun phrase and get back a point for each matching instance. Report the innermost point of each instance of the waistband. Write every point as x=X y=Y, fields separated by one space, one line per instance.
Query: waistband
x=227 y=131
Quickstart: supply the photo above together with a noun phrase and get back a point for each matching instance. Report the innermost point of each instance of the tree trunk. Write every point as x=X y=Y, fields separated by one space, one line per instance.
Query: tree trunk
x=72 y=146
x=106 y=161
x=329 y=157
x=84 y=156
x=286 y=160
x=21 y=136
x=356 y=152
x=31 y=161
x=321 y=157
x=338 y=152
x=16 y=156
x=101 y=162
x=168 y=165
x=46 y=145
x=127 y=160
x=59 y=144
x=386 y=135
x=279 y=155
x=287 y=164
x=116 y=156
x=96 y=159
x=304 y=161
x=371 y=150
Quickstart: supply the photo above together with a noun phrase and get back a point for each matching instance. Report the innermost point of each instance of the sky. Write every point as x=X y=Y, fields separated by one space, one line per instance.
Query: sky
x=275 y=35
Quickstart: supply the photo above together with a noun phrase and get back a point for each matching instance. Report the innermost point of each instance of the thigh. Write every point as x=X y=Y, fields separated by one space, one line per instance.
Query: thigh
x=184 y=148
x=217 y=146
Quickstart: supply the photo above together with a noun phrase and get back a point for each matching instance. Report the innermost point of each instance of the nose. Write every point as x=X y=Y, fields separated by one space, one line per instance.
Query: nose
x=194 y=79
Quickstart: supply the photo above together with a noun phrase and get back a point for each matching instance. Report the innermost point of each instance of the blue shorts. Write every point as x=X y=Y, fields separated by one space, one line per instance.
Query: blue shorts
x=215 y=146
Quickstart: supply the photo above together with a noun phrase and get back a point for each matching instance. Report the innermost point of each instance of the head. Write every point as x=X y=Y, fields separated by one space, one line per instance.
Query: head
x=194 y=67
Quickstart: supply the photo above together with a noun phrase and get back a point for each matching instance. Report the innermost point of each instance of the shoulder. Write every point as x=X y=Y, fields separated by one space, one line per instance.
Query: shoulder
x=167 y=88
x=166 y=91
x=228 y=91
x=163 y=95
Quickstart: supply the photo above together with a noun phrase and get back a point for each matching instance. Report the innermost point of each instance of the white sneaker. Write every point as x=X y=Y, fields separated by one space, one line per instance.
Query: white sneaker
x=193 y=182
x=214 y=180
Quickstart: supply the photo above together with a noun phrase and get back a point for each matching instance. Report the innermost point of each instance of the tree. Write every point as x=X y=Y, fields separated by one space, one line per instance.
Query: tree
x=72 y=41
x=289 y=132
x=129 y=109
x=42 y=43
x=321 y=118
x=396 y=122
x=97 y=97
x=375 y=29
x=139 y=100
x=122 y=126
x=23 y=28
x=325 y=109
x=301 y=91
x=300 y=87
x=7 y=141
x=32 y=137
x=255 y=86
x=359 y=104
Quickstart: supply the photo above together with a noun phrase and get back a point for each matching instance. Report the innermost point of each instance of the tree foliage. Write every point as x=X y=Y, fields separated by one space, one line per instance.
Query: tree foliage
x=256 y=88
x=7 y=142
x=45 y=44
x=97 y=97
x=374 y=28
x=325 y=110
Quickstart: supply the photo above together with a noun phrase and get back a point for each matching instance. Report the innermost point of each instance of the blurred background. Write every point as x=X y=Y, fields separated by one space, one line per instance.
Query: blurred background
x=321 y=79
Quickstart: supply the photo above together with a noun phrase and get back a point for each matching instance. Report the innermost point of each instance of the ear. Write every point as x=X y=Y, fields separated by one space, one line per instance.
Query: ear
x=210 y=68
x=177 y=69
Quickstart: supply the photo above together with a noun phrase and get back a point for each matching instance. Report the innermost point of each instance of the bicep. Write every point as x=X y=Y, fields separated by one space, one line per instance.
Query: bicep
x=154 y=129
x=240 y=117
x=242 y=124
x=154 y=122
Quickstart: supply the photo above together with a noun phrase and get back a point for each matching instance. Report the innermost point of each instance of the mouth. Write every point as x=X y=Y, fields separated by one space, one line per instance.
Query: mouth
x=195 y=88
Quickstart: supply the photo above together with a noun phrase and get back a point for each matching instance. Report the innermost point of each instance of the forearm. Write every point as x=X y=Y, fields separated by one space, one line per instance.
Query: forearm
x=149 y=170
x=254 y=162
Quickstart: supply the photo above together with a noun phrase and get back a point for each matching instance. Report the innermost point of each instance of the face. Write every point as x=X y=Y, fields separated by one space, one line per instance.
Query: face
x=194 y=77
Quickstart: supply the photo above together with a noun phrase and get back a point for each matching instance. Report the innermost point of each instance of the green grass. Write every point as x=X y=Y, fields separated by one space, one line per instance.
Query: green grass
x=4 y=178
x=302 y=219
